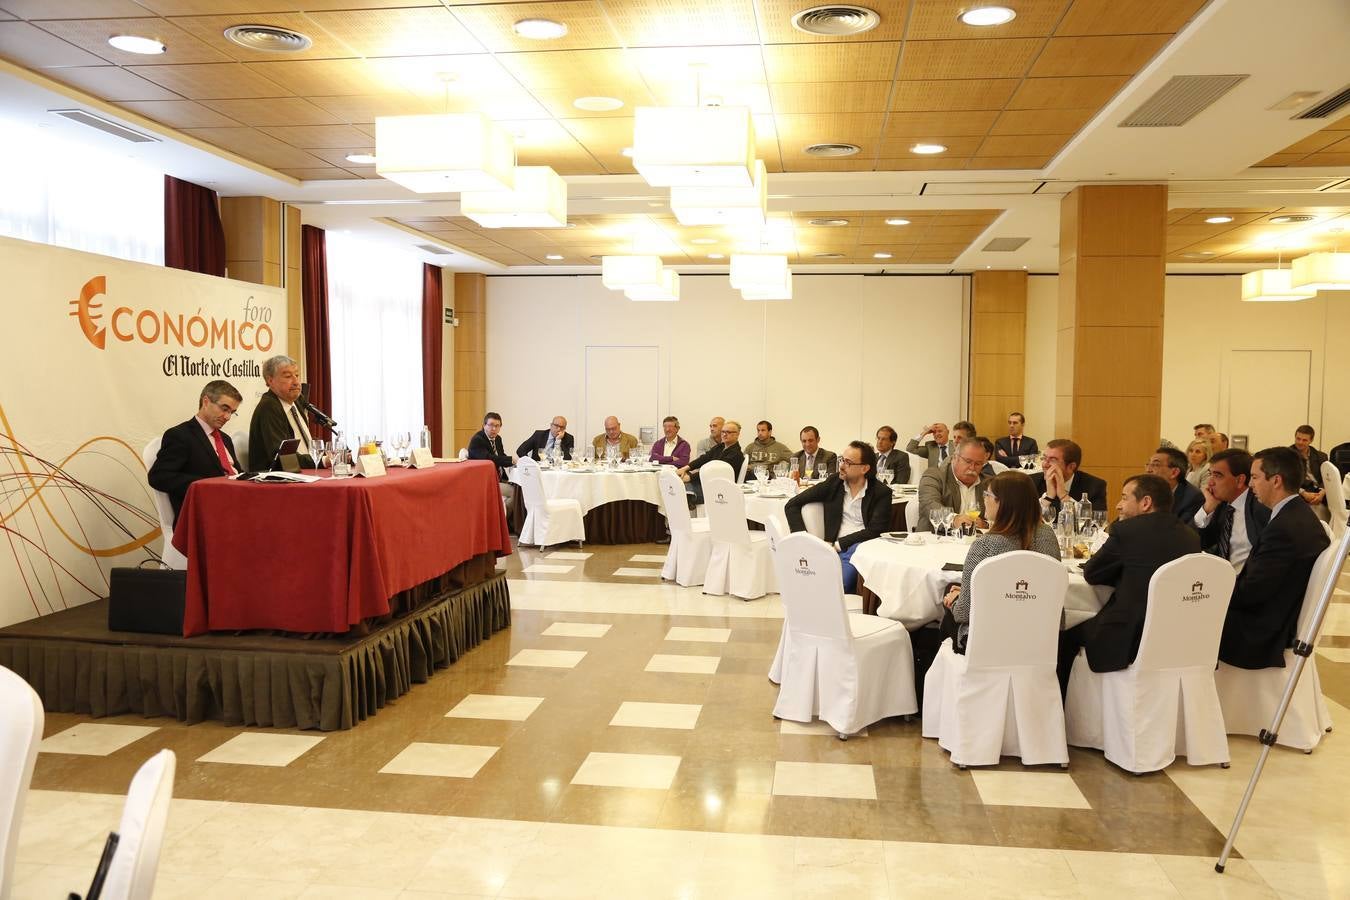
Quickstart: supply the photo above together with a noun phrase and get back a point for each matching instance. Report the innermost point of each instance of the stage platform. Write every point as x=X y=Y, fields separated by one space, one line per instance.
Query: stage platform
x=255 y=679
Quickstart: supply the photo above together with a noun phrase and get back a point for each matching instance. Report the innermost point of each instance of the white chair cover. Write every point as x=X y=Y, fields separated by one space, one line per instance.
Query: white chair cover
x=997 y=466
x=463 y=453
x=1002 y=697
x=917 y=466
x=547 y=522
x=1165 y=703
x=777 y=529
x=240 y=441
x=740 y=563
x=131 y=875
x=1331 y=479
x=21 y=721
x=745 y=467
x=172 y=558
x=1249 y=697
x=849 y=670
x=690 y=542
x=912 y=514
x=715 y=469
x=813 y=517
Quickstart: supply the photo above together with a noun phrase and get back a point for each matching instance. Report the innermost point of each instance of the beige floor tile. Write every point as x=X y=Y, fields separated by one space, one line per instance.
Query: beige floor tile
x=568 y=554
x=577 y=629
x=1336 y=654
x=1194 y=876
x=338 y=892
x=1053 y=789
x=548 y=569
x=549 y=659
x=1305 y=880
x=843 y=780
x=633 y=714
x=94 y=738
x=252 y=888
x=256 y=748
x=440 y=760
x=629 y=770
x=816 y=728
x=636 y=572
x=495 y=706
x=705 y=635
x=690 y=665
x=1103 y=872
x=648 y=557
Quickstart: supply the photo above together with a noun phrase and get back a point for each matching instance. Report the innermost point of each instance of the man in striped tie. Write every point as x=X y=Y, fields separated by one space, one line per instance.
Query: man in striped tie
x=198 y=448
x=1230 y=520
x=277 y=417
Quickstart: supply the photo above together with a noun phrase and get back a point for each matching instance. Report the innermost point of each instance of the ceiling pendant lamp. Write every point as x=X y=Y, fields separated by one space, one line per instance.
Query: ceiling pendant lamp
x=449 y=153
x=1324 y=271
x=620 y=272
x=694 y=146
x=782 y=292
x=1272 y=286
x=666 y=290
x=539 y=200
x=745 y=206
x=759 y=271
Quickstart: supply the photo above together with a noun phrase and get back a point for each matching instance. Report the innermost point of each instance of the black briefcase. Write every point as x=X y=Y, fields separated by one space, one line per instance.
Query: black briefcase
x=146 y=600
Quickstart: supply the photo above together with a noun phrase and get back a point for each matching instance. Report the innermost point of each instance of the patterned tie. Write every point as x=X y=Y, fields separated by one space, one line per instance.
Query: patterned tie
x=300 y=429
x=225 y=465
x=1225 y=546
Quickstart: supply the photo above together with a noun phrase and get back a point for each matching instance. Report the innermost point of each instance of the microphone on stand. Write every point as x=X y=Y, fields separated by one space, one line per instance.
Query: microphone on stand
x=319 y=415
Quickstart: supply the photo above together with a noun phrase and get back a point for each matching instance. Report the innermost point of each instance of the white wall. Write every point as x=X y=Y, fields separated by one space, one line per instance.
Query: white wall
x=847 y=354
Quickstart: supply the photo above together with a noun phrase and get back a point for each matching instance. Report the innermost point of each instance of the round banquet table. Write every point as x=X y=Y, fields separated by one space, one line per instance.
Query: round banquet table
x=910 y=581
x=621 y=506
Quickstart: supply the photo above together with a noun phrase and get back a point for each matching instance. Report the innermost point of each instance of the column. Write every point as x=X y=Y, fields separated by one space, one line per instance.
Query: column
x=470 y=356
x=997 y=348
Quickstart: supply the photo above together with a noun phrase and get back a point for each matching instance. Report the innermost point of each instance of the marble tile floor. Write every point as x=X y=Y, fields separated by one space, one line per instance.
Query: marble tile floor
x=640 y=760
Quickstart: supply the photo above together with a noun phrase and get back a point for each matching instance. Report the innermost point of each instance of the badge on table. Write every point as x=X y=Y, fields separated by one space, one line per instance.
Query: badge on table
x=421 y=458
x=370 y=465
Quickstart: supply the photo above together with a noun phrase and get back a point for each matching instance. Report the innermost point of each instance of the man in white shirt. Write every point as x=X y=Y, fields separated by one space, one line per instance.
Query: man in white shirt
x=1231 y=519
x=714 y=438
x=958 y=487
x=932 y=442
x=856 y=507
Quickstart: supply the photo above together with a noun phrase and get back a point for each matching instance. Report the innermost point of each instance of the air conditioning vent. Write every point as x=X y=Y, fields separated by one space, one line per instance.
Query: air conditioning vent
x=834 y=21
x=828 y=256
x=432 y=248
x=1004 y=245
x=832 y=150
x=1327 y=107
x=1183 y=98
x=268 y=38
x=828 y=223
x=107 y=126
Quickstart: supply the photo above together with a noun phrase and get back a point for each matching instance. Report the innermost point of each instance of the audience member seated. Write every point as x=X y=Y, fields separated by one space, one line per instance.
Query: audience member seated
x=765 y=449
x=1169 y=464
x=1311 y=488
x=729 y=452
x=198 y=448
x=1014 y=513
x=857 y=507
x=888 y=457
x=1145 y=536
x=933 y=442
x=673 y=450
x=1231 y=519
x=1268 y=595
x=551 y=440
x=1007 y=449
x=1220 y=442
x=1060 y=477
x=277 y=418
x=1204 y=432
x=714 y=437
x=1197 y=454
x=958 y=486
x=487 y=444
x=812 y=462
x=613 y=436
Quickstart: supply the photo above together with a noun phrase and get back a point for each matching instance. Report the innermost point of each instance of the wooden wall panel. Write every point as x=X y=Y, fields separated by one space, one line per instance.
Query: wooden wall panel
x=997 y=348
x=470 y=292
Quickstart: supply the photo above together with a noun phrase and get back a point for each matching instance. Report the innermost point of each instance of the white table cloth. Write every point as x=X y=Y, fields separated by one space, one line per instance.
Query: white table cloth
x=592 y=489
x=758 y=507
x=909 y=581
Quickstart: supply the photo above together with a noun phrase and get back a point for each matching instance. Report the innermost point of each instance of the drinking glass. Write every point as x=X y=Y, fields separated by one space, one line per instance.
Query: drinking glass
x=935 y=518
x=794 y=469
x=780 y=469
x=316 y=451
x=948 y=517
x=340 y=467
x=886 y=476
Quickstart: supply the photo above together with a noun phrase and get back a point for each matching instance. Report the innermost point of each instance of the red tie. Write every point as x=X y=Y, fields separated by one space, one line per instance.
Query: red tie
x=224 y=457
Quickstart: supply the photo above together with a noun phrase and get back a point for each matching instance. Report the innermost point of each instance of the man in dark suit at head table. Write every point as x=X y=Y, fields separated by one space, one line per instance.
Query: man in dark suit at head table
x=1268 y=595
x=553 y=439
x=278 y=417
x=1060 y=477
x=1007 y=449
x=1170 y=464
x=1231 y=519
x=198 y=448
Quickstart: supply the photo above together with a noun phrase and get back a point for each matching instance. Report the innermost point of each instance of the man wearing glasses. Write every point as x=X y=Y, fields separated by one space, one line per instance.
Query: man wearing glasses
x=1060 y=477
x=729 y=452
x=551 y=441
x=857 y=507
x=198 y=448
x=958 y=486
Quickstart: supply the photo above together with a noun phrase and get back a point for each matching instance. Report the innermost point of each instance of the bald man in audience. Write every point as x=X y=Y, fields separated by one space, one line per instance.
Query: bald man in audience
x=613 y=436
x=714 y=437
x=729 y=452
x=933 y=442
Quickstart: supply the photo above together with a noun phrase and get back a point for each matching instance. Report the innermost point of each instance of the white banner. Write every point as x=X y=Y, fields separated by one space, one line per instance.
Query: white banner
x=97 y=356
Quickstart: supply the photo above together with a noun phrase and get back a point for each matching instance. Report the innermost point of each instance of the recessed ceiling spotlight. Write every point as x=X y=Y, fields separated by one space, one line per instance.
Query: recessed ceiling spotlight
x=836 y=19
x=553 y=256
x=704 y=240
x=268 y=38
x=1286 y=220
x=598 y=104
x=1218 y=220
x=928 y=149
x=361 y=159
x=897 y=221
x=984 y=16
x=134 y=43
x=881 y=256
x=539 y=29
x=829 y=256
x=829 y=223
x=626 y=151
x=717 y=256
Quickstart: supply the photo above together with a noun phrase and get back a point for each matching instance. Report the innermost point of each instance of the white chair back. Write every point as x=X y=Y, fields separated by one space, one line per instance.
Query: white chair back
x=21 y=721
x=917 y=466
x=1331 y=480
x=813 y=517
x=715 y=469
x=1317 y=581
x=674 y=500
x=463 y=453
x=1016 y=602
x=997 y=466
x=812 y=586
x=131 y=874
x=745 y=467
x=240 y=441
x=532 y=489
x=912 y=514
x=776 y=529
x=725 y=505
x=163 y=506
x=1187 y=601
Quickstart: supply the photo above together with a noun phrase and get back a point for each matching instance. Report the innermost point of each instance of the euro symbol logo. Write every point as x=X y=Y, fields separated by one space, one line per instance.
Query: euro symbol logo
x=87 y=310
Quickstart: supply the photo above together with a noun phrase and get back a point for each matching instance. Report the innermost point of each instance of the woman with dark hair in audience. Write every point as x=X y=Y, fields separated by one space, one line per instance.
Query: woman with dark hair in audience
x=1011 y=505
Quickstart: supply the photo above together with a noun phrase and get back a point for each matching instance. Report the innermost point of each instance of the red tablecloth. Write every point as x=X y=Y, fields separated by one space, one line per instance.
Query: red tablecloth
x=322 y=557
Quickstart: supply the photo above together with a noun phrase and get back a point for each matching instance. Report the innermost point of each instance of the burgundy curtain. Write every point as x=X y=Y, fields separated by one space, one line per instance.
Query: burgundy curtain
x=314 y=302
x=193 y=236
x=431 y=352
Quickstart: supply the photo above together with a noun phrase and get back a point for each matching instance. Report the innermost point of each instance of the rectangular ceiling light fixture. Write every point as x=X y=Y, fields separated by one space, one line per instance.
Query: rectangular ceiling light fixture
x=783 y=292
x=445 y=153
x=694 y=146
x=1271 y=286
x=1324 y=271
x=539 y=200
x=621 y=272
x=666 y=290
x=744 y=206
x=759 y=271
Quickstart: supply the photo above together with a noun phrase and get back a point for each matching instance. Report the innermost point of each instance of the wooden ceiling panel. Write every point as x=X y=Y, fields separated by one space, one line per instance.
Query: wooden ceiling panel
x=217 y=7
x=365 y=107
x=804 y=98
x=470 y=75
x=897 y=163
x=1128 y=16
x=846 y=164
x=181 y=114
x=36 y=10
x=34 y=48
x=111 y=83
x=666 y=23
x=957 y=145
x=1022 y=144
x=890 y=234
x=966 y=123
x=1009 y=162
x=339 y=158
x=210 y=30
x=983 y=58
x=720 y=64
x=92 y=35
x=775 y=23
x=214 y=81
x=953 y=95
x=933 y=20
x=1325 y=159
x=831 y=62
x=322 y=137
x=328 y=173
x=417 y=31
x=1119 y=54
x=253 y=144
x=1066 y=93
x=1041 y=121
x=752 y=95
x=304 y=78
x=588 y=72
x=796 y=132
x=601 y=135
x=587 y=27
x=277 y=111
x=560 y=103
